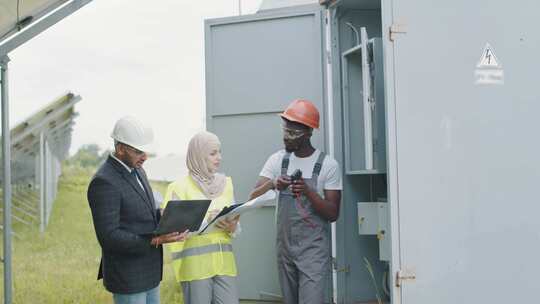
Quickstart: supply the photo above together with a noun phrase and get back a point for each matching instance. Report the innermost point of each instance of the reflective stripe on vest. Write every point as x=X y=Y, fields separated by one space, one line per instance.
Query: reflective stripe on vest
x=202 y=250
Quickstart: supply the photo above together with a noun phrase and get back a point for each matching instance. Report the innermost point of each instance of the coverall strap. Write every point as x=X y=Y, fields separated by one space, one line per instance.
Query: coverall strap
x=318 y=165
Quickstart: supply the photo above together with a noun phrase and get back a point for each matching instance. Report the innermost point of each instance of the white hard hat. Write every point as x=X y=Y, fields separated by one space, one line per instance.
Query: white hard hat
x=131 y=131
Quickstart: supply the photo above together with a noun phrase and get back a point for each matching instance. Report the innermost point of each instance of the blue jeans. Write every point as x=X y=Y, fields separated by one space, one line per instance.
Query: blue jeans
x=146 y=297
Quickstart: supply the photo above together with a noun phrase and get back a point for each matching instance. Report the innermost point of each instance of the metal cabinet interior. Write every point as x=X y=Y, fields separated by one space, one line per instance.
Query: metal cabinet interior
x=363 y=106
x=359 y=185
x=373 y=220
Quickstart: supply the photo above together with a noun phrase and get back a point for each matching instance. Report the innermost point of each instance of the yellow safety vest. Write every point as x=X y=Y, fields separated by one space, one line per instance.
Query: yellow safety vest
x=207 y=255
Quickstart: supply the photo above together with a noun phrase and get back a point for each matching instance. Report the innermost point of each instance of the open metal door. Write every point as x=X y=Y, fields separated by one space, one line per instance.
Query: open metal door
x=255 y=66
x=466 y=105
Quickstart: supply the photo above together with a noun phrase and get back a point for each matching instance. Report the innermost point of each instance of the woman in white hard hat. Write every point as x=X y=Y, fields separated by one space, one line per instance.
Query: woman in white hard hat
x=205 y=264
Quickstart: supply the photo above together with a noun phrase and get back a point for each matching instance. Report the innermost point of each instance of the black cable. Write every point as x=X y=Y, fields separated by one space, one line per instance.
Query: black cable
x=16 y=23
x=19 y=24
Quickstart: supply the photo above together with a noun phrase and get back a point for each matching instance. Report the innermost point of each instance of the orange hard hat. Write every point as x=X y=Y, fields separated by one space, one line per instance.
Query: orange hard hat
x=302 y=111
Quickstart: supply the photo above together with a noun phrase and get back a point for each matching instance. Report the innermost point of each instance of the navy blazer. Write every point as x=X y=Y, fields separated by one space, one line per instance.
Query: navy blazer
x=124 y=217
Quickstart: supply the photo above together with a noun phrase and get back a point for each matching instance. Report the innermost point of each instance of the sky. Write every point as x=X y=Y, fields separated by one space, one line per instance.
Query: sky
x=123 y=57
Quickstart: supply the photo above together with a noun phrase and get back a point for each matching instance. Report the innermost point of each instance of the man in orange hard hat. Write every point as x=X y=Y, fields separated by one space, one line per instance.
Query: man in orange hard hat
x=309 y=185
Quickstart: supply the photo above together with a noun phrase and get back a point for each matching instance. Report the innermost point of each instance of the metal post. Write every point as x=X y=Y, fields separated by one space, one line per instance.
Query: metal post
x=48 y=184
x=42 y=193
x=37 y=176
x=239 y=7
x=6 y=155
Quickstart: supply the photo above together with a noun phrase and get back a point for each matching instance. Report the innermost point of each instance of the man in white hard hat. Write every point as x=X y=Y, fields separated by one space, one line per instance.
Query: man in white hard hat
x=125 y=215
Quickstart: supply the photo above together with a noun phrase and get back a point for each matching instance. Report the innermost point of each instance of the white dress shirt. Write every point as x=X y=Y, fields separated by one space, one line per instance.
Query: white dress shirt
x=129 y=169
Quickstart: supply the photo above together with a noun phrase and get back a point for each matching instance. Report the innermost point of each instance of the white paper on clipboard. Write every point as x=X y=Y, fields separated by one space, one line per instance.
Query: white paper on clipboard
x=264 y=200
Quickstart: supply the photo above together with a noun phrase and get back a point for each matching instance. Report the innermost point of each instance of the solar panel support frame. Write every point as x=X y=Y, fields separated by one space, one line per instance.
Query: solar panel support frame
x=43 y=23
x=6 y=172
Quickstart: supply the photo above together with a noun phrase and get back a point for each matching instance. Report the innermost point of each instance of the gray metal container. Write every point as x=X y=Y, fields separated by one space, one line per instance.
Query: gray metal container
x=453 y=107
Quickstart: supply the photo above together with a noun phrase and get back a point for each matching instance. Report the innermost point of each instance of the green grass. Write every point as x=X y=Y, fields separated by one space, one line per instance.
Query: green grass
x=60 y=266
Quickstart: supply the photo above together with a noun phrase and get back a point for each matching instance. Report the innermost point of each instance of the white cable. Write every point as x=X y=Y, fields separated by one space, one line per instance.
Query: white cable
x=355 y=32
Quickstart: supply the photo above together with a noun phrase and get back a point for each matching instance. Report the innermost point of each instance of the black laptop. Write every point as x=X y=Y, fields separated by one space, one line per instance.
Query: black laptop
x=180 y=215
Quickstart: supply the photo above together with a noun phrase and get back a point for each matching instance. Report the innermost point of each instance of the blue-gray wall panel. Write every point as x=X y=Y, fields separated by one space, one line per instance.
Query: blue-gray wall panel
x=262 y=64
x=247 y=141
x=256 y=65
x=467 y=158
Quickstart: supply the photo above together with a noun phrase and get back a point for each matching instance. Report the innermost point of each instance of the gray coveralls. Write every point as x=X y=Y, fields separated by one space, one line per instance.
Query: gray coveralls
x=303 y=246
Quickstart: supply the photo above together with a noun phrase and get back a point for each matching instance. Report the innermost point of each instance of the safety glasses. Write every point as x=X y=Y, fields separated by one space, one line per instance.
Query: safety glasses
x=135 y=151
x=293 y=134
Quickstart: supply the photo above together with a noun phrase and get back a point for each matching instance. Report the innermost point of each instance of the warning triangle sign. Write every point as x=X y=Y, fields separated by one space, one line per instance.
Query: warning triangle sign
x=488 y=59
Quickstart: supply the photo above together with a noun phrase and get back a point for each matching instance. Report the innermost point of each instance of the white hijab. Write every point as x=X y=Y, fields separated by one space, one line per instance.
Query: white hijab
x=199 y=149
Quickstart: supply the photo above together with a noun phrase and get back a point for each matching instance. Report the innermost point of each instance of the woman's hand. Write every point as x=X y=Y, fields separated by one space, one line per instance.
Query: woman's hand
x=212 y=214
x=228 y=225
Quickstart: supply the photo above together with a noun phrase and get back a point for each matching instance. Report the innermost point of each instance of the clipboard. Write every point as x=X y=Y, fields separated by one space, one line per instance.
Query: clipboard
x=180 y=215
x=238 y=209
x=223 y=212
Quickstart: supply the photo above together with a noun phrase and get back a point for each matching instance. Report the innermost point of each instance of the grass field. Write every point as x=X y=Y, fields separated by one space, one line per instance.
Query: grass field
x=60 y=266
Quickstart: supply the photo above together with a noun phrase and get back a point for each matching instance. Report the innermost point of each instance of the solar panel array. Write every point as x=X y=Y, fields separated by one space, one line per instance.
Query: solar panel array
x=38 y=146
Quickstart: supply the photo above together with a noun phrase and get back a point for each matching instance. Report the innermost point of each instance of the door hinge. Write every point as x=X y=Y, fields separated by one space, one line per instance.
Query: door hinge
x=404 y=275
x=397 y=29
x=344 y=269
x=347 y=268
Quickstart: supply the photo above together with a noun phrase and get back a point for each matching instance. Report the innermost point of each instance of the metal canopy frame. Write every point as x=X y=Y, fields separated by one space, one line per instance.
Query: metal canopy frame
x=27 y=140
x=6 y=177
x=15 y=15
x=49 y=17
